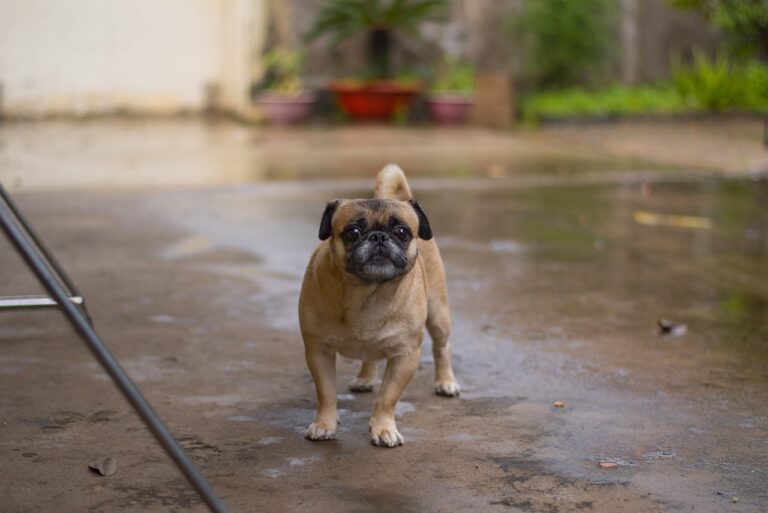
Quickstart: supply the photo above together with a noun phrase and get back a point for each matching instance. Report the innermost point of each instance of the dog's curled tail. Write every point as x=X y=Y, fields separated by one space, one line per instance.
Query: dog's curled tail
x=392 y=184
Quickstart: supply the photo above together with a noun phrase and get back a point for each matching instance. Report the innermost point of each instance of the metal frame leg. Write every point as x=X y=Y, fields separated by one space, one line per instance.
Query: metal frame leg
x=82 y=326
x=15 y=303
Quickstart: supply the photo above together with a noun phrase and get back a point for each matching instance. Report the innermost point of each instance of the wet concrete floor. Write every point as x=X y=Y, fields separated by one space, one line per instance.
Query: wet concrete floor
x=556 y=282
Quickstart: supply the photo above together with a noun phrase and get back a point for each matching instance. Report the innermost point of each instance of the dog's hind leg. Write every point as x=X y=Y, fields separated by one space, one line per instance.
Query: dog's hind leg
x=365 y=379
x=439 y=327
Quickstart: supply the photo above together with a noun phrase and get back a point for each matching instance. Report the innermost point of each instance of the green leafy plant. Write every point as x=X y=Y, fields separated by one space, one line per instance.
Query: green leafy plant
x=566 y=42
x=613 y=101
x=706 y=85
x=756 y=92
x=283 y=71
x=721 y=83
x=454 y=77
x=380 y=20
x=745 y=22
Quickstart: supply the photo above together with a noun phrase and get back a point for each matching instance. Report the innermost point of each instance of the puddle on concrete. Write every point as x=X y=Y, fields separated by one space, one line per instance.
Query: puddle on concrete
x=185 y=248
x=126 y=153
x=146 y=368
x=269 y=440
x=162 y=319
x=403 y=407
x=216 y=400
x=273 y=473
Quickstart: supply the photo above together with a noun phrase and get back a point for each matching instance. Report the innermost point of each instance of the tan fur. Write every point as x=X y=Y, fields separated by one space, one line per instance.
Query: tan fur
x=339 y=313
x=392 y=184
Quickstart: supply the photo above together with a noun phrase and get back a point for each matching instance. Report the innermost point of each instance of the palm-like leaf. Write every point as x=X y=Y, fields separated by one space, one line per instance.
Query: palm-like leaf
x=344 y=18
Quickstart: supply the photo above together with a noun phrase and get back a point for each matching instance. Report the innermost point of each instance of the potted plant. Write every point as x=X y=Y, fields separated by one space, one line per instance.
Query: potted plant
x=450 y=98
x=283 y=100
x=380 y=97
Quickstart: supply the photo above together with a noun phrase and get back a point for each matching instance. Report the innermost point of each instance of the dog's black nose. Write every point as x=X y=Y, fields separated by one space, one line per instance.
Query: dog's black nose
x=378 y=237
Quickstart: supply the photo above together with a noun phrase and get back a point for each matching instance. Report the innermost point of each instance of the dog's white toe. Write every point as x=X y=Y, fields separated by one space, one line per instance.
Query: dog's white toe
x=387 y=438
x=447 y=388
x=361 y=385
x=318 y=431
x=384 y=433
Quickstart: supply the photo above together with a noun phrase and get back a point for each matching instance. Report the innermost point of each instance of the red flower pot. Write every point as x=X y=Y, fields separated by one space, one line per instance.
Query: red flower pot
x=378 y=100
x=449 y=109
x=286 y=109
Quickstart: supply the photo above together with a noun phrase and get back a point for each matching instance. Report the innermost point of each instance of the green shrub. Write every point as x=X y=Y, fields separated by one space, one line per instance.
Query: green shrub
x=455 y=77
x=707 y=85
x=744 y=22
x=721 y=84
x=283 y=71
x=614 y=101
x=756 y=77
x=566 y=42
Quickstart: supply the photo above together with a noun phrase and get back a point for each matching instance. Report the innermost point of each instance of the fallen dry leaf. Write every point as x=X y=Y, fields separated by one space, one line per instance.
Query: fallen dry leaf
x=558 y=404
x=106 y=466
x=654 y=219
x=668 y=327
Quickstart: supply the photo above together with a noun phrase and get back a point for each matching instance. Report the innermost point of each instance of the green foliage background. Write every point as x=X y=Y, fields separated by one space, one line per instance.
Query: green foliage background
x=566 y=42
x=744 y=22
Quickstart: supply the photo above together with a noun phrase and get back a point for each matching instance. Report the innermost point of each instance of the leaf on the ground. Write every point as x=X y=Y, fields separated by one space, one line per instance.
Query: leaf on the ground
x=558 y=404
x=655 y=219
x=608 y=464
x=668 y=327
x=106 y=466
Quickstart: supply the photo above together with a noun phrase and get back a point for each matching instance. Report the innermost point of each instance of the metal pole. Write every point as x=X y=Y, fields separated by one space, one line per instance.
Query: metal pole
x=43 y=248
x=83 y=328
x=49 y=258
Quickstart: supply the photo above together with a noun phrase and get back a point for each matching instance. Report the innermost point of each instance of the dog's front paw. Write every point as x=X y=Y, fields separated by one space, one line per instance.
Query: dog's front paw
x=319 y=430
x=360 y=385
x=447 y=388
x=384 y=433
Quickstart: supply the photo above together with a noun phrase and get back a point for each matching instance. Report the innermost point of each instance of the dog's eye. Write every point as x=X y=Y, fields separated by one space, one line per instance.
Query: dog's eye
x=402 y=233
x=352 y=234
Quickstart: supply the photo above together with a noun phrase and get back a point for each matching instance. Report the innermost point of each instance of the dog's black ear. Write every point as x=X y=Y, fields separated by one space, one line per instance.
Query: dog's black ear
x=326 y=229
x=425 y=232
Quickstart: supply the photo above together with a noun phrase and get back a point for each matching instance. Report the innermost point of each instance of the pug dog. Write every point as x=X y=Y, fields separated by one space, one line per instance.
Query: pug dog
x=371 y=286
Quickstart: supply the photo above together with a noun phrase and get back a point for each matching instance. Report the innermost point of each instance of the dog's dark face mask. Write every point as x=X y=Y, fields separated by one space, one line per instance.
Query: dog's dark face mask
x=378 y=237
x=377 y=252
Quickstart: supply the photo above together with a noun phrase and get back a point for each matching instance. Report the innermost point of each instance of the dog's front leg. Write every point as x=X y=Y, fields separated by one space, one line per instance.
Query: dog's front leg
x=322 y=365
x=397 y=375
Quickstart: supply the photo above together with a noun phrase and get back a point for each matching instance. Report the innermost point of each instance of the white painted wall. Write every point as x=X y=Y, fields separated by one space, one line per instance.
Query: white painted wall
x=91 y=56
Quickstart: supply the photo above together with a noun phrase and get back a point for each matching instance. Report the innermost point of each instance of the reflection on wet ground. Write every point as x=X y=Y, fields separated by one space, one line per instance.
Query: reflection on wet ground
x=556 y=287
x=136 y=153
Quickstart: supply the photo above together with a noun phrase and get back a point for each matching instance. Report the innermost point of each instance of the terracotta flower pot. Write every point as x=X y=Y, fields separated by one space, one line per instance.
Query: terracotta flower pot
x=449 y=109
x=377 y=100
x=286 y=109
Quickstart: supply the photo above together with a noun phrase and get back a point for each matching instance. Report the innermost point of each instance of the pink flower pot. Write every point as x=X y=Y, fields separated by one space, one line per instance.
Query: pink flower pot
x=449 y=109
x=285 y=109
